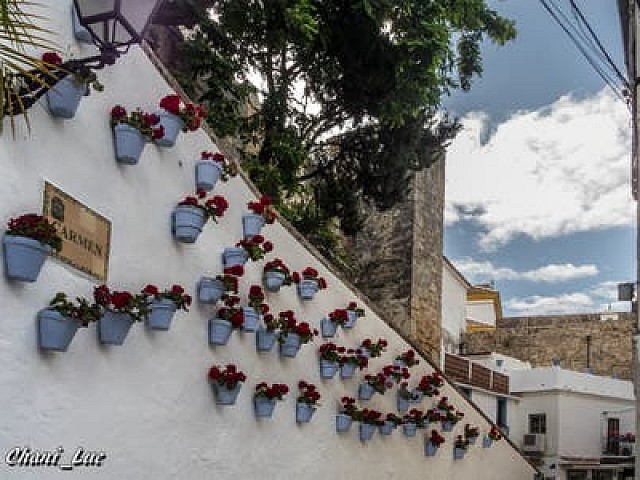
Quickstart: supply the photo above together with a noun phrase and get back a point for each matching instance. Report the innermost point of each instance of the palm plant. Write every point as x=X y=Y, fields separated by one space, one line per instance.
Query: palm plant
x=21 y=72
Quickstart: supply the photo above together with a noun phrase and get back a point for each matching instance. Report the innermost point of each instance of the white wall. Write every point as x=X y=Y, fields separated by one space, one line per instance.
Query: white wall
x=454 y=298
x=147 y=404
x=483 y=311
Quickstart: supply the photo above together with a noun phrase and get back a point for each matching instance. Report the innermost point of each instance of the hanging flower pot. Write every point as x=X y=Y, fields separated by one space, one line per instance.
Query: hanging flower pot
x=161 y=314
x=429 y=448
x=273 y=280
x=486 y=441
x=366 y=431
x=328 y=327
x=113 y=327
x=387 y=427
x=265 y=339
x=416 y=396
x=250 y=321
x=224 y=395
x=252 y=224
x=343 y=422
x=352 y=317
x=219 y=331
x=232 y=256
x=172 y=125
x=207 y=175
x=129 y=144
x=188 y=221
x=210 y=290
x=64 y=97
x=55 y=331
x=290 y=345
x=307 y=289
x=458 y=453
x=264 y=407
x=24 y=257
x=365 y=391
x=409 y=429
x=265 y=397
x=304 y=412
x=328 y=369
x=447 y=426
x=347 y=370
x=402 y=402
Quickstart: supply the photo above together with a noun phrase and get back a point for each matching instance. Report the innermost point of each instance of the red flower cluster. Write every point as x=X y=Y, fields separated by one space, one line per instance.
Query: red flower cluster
x=353 y=306
x=310 y=273
x=229 y=278
x=229 y=168
x=392 y=417
x=375 y=349
x=428 y=384
x=450 y=413
x=372 y=417
x=229 y=376
x=277 y=390
x=51 y=58
x=37 y=227
x=288 y=324
x=191 y=114
x=308 y=393
x=461 y=443
x=331 y=352
x=494 y=433
x=433 y=415
x=213 y=207
x=264 y=207
x=232 y=312
x=470 y=431
x=175 y=294
x=379 y=382
x=435 y=438
x=144 y=122
x=339 y=316
x=396 y=373
x=354 y=357
x=349 y=406
x=414 y=416
x=409 y=358
x=271 y=322
x=122 y=302
x=256 y=247
x=256 y=299
x=277 y=265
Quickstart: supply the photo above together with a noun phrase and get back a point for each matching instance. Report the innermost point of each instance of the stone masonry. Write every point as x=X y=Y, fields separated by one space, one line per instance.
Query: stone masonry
x=399 y=254
x=539 y=340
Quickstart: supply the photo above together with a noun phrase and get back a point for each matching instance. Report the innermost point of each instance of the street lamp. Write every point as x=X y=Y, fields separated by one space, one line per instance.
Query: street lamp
x=114 y=25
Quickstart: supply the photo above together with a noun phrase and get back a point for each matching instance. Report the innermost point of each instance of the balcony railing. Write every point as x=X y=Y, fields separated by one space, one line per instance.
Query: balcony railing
x=464 y=371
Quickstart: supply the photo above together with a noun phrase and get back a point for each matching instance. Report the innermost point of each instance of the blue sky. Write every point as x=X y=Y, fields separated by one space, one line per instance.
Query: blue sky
x=537 y=195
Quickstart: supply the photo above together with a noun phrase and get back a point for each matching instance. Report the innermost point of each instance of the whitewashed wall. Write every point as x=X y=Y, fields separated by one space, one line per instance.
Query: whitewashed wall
x=454 y=299
x=148 y=404
x=483 y=311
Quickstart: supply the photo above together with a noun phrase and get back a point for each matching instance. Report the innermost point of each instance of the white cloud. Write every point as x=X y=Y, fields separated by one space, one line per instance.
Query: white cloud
x=546 y=173
x=477 y=272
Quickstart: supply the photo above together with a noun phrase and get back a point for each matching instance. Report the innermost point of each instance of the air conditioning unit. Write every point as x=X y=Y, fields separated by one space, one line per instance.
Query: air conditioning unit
x=533 y=443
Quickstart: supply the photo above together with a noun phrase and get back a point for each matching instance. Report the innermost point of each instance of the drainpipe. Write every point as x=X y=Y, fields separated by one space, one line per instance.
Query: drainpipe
x=588 y=353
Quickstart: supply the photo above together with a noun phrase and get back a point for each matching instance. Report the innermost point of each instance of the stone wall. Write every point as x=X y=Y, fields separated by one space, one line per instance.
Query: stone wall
x=399 y=257
x=541 y=339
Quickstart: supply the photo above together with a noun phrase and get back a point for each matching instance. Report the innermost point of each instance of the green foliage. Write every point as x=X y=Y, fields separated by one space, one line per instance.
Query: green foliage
x=345 y=95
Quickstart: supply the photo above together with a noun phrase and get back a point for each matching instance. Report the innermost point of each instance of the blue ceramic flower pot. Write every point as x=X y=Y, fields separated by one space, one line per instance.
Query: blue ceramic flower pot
x=210 y=290
x=188 y=222
x=207 y=175
x=365 y=391
x=307 y=289
x=23 y=257
x=224 y=395
x=352 y=317
x=172 y=124
x=328 y=327
x=129 y=144
x=265 y=339
x=409 y=429
x=416 y=396
x=273 y=280
x=447 y=426
x=328 y=369
x=347 y=370
x=472 y=440
x=399 y=363
x=486 y=441
x=343 y=422
x=252 y=224
x=402 y=403
x=290 y=346
x=113 y=327
x=250 y=319
x=264 y=407
x=219 y=331
x=386 y=428
x=366 y=431
x=55 y=331
x=458 y=453
x=304 y=412
x=232 y=256
x=64 y=97
x=429 y=448
x=161 y=314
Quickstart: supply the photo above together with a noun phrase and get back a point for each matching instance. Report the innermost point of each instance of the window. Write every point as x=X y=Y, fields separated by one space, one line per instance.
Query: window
x=577 y=475
x=501 y=412
x=538 y=423
x=601 y=475
x=613 y=436
x=466 y=392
